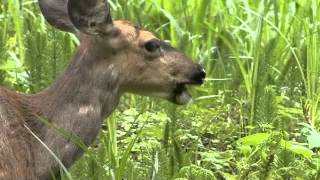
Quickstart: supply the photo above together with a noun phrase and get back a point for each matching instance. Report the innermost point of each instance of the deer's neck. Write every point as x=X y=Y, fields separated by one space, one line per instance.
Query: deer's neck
x=78 y=102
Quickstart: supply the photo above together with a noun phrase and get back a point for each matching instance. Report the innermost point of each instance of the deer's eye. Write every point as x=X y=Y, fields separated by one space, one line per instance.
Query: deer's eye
x=152 y=46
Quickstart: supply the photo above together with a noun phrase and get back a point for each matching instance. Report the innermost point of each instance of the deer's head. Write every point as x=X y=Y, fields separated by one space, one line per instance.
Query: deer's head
x=145 y=64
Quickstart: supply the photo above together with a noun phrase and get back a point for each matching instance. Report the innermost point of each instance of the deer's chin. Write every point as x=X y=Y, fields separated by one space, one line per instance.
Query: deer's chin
x=181 y=95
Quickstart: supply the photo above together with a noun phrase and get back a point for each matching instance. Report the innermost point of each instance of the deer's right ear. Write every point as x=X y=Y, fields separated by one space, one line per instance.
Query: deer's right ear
x=90 y=16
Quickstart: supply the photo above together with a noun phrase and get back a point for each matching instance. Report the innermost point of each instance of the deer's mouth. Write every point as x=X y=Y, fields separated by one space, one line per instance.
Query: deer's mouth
x=181 y=94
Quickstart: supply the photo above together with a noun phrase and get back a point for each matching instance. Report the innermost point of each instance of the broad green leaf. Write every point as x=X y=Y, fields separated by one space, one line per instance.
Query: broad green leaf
x=297 y=149
x=307 y=153
x=254 y=139
x=314 y=140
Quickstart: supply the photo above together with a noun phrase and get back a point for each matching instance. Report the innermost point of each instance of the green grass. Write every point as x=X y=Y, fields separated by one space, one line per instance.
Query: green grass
x=262 y=61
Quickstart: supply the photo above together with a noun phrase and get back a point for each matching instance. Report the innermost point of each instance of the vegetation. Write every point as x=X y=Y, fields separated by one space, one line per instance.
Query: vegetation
x=256 y=117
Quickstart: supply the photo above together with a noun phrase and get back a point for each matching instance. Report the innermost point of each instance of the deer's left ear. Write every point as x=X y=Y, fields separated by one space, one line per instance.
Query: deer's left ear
x=90 y=16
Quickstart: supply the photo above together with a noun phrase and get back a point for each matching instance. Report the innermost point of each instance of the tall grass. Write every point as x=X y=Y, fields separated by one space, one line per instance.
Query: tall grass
x=263 y=67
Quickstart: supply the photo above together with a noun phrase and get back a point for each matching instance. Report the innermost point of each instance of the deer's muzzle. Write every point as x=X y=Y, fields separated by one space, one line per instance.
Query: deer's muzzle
x=181 y=95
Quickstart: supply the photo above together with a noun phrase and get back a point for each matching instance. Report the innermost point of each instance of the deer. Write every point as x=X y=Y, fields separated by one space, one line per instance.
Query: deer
x=113 y=58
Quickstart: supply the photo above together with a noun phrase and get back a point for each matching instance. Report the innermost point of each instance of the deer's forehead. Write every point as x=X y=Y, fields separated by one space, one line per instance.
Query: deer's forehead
x=132 y=32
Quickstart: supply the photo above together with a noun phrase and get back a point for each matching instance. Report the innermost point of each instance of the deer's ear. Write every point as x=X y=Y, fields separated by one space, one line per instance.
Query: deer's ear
x=56 y=13
x=90 y=16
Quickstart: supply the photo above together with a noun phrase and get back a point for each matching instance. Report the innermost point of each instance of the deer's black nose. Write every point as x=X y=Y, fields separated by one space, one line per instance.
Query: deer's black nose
x=199 y=75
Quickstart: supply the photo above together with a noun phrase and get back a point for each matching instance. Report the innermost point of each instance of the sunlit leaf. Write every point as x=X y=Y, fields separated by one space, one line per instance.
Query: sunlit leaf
x=254 y=139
